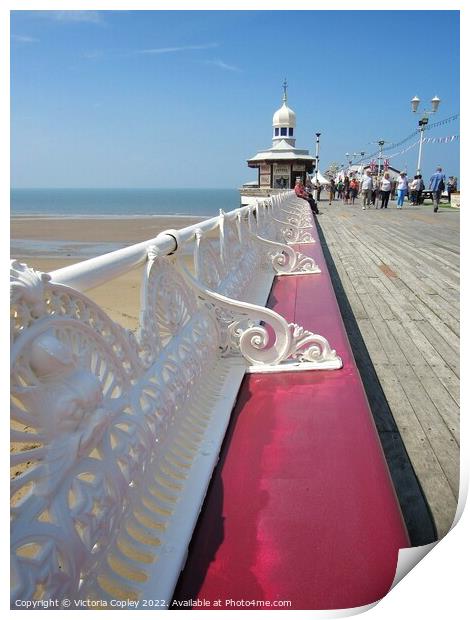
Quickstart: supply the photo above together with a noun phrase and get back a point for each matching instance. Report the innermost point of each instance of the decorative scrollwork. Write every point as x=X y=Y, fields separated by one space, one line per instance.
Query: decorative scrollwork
x=27 y=287
x=262 y=336
x=285 y=263
x=296 y=235
x=167 y=305
x=285 y=260
x=208 y=266
x=243 y=261
x=27 y=296
x=309 y=347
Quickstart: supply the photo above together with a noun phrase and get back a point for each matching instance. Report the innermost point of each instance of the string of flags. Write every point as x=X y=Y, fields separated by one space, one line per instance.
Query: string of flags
x=386 y=163
x=445 y=121
x=408 y=148
x=441 y=140
x=389 y=147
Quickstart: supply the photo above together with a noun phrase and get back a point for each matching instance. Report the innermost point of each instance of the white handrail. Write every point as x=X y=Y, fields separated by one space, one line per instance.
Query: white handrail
x=96 y=271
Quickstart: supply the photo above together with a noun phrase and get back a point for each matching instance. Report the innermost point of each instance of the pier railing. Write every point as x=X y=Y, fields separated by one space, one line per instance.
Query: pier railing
x=115 y=434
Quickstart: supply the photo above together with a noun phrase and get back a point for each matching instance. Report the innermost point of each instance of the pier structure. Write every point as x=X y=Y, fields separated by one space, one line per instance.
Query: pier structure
x=280 y=165
x=225 y=449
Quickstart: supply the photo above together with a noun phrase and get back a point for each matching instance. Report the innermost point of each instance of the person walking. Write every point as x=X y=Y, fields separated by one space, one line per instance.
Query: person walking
x=318 y=189
x=375 y=191
x=437 y=185
x=419 y=196
x=402 y=188
x=339 y=189
x=366 y=188
x=346 y=190
x=354 y=189
x=332 y=188
x=414 y=190
x=451 y=187
x=385 y=189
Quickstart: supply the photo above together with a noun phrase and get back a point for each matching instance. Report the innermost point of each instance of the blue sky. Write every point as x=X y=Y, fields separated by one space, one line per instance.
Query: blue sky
x=161 y=98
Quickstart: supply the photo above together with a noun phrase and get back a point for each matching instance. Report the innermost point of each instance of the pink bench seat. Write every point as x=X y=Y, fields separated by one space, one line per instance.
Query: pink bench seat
x=301 y=506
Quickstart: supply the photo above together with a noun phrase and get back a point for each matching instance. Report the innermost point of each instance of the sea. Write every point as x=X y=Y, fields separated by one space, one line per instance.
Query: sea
x=122 y=202
x=108 y=203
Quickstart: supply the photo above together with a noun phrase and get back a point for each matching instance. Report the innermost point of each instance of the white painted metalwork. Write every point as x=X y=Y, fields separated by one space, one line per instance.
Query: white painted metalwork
x=115 y=435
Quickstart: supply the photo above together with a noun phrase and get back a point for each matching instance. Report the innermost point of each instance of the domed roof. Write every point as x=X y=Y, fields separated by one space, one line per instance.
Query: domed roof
x=284 y=117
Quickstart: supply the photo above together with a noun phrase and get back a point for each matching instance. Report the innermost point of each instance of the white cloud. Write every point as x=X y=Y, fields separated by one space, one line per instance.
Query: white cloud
x=20 y=38
x=223 y=65
x=92 y=17
x=93 y=55
x=182 y=48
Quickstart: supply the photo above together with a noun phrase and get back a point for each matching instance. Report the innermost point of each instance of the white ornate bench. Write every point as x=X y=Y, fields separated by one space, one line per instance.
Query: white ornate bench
x=115 y=435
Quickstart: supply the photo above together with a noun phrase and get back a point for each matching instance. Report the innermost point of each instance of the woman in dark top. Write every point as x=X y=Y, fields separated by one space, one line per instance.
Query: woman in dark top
x=332 y=190
x=346 y=190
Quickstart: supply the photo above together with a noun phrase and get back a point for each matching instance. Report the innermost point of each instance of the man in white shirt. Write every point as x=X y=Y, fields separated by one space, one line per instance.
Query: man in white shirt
x=366 y=188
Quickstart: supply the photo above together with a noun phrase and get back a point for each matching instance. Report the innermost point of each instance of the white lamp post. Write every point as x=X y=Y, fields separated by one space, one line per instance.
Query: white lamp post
x=435 y=101
x=381 y=146
x=317 y=159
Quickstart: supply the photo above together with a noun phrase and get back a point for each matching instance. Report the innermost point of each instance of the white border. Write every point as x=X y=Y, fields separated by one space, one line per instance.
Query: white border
x=437 y=588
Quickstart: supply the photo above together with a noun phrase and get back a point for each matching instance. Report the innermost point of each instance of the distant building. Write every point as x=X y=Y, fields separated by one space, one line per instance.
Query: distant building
x=359 y=169
x=279 y=166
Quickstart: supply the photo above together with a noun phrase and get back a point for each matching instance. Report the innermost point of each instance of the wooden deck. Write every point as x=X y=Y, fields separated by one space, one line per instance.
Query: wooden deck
x=396 y=277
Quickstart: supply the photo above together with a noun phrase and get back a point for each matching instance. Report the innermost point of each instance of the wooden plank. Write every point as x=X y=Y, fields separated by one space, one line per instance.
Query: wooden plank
x=444 y=403
x=438 y=434
x=445 y=375
x=441 y=344
x=391 y=346
x=374 y=345
x=434 y=482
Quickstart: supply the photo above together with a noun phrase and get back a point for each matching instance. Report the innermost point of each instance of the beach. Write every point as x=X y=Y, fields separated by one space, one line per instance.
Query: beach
x=49 y=243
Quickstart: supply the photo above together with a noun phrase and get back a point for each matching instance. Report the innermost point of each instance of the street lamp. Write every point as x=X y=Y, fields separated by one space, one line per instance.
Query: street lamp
x=423 y=121
x=317 y=159
x=360 y=169
x=381 y=146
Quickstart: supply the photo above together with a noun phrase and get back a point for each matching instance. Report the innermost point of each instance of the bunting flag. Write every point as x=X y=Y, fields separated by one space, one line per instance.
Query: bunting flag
x=373 y=165
x=444 y=140
x=386 y=164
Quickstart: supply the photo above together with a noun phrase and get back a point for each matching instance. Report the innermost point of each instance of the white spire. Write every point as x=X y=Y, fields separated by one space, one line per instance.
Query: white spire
x=284 y=98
